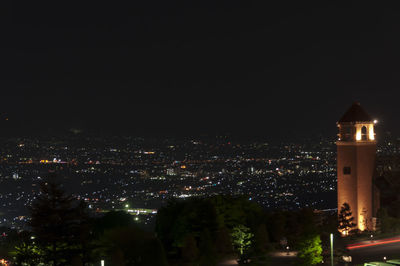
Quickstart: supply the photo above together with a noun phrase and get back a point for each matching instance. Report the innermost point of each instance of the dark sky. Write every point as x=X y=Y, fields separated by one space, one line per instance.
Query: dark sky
x=177 y=67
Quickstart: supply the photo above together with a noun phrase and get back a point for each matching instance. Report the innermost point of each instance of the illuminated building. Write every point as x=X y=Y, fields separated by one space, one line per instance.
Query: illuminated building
x=171 y=171
x=356 y=154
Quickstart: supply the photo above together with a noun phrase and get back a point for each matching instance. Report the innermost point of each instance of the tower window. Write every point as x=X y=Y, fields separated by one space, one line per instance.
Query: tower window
x=346 y=170
x=364 y=133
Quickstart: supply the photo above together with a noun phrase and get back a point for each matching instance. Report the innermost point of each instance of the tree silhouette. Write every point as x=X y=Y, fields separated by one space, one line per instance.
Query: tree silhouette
x=131 y=246
x=189 y=249
x=207 y=250
x=345 y=219
x=223 y=242
x=58 y=221
x=261 y=239
x=211 y=222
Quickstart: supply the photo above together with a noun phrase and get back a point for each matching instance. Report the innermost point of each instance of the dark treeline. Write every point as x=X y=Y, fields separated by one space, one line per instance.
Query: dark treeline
x=196 y=231
x=202 y=230
x=64 y=232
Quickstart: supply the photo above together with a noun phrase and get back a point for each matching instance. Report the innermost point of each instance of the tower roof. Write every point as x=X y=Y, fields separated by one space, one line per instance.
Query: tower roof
x=355 y=114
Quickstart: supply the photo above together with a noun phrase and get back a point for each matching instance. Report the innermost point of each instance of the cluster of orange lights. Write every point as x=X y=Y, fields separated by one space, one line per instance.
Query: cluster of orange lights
x=4 y=262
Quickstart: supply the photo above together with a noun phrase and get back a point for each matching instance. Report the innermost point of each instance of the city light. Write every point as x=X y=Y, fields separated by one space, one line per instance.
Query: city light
x=4 y=262
x=179 y=134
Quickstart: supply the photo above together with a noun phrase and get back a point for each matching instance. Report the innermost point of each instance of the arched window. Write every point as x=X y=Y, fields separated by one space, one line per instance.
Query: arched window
x=364 y=133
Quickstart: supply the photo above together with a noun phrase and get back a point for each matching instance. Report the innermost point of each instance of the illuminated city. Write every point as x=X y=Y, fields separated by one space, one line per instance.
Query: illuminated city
x=211 y=133
x=147 y=173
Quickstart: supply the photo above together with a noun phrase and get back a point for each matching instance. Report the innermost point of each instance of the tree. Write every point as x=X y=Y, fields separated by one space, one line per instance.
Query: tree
x=261 y=239
x=232 y=211
x=386 y=223
x=276 y=226
x=345 y=219
x=223 y=243
x=189 y=249
x=208 y=253
x=242 y=238
x=25 y=251
x=57 y=222
x=9 y=238
x=180 y=218
x=131 y=246
x=112 y=220
x=310 y=250
x=218 y=215
x=383 y=220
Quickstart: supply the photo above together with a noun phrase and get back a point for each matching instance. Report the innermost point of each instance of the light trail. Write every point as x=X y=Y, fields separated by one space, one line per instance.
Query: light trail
x=375 y=243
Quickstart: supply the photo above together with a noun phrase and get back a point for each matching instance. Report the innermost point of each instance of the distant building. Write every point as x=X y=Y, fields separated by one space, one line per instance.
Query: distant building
x=356 y=163
x=16 y=176
x=171 y=171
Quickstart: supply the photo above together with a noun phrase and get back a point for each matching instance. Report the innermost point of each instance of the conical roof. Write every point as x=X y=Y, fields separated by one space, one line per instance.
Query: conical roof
x=355 y=114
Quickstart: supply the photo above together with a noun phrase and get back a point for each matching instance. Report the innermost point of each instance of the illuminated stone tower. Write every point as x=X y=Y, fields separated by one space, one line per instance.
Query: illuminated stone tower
x=356 y=153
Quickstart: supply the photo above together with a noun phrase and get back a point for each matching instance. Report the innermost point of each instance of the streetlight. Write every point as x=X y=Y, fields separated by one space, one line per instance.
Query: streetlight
x=102 y=262
x=331 y=249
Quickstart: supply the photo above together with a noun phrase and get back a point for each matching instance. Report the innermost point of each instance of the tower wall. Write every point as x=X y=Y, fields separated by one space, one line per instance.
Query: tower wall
x=347 y=183
x=366 y=155
x=355 y=187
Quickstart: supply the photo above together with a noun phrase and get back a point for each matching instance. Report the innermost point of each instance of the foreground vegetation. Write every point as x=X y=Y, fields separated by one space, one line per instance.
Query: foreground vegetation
x=196 y=231
x=211 y=229
x=63 y=232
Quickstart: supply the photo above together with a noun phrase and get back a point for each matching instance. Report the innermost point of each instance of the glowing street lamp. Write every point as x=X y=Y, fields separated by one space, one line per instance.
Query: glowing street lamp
x=102 y=262
x=331 y=237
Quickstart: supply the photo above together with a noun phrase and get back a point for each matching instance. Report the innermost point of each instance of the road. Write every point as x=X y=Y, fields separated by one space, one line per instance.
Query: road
x=275 y=258
x=362 y=252
x=375 y=250
x=230 y=262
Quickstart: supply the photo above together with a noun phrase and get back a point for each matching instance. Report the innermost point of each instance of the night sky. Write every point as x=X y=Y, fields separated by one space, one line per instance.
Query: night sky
x=178 y=68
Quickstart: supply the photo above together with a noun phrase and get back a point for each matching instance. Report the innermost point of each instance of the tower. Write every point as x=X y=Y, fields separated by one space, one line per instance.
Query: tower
x=356 y=153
